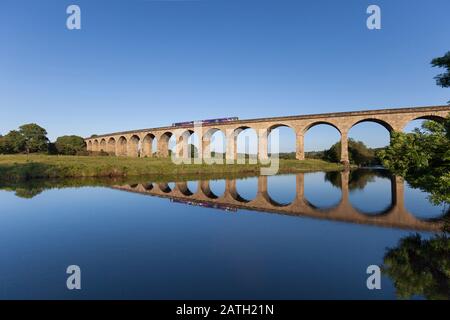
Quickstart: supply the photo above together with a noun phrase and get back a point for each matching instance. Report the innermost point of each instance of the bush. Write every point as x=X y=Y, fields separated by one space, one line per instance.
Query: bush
x=70 y=145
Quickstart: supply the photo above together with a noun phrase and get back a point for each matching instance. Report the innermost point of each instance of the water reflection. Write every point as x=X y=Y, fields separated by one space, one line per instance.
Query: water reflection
x=222 y=238
x=391 y=213
x=322 y=195
x=420 y=267
x=361 y=196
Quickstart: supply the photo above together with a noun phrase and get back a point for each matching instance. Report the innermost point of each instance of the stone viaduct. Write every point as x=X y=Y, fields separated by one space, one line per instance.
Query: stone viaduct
x=396 y=216
x=138 y=143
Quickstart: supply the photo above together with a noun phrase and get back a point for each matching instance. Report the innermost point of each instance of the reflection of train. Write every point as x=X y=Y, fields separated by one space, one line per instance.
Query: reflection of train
x=191 y=123
x=205 y=204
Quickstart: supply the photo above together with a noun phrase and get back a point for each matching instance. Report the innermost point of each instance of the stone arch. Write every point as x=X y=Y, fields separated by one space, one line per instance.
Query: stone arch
x=373 y=133
x=89 y=145
x=165 y=187
x=274 y=145
x=111 y=146
x=103 y=145
x=148 y=186
x=147 y=145
x=184 y=189
x=121 y=146
x=182 y=144
x=317 y=136
x=246 y=146
x=95 y=146
x=217 y=188
x=208 y=142
x=249 y=190
x=134 y=146
x=163 y=144
x=279 y=125
x=206 y=189
x=431 y=117
x=381 y=122
x=321 y=122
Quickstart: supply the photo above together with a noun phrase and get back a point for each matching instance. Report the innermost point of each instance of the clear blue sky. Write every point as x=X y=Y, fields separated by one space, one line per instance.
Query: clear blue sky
x=141 y=63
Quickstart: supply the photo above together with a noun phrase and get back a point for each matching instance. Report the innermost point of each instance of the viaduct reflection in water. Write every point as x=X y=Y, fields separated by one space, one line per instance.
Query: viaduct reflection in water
x=395 y=216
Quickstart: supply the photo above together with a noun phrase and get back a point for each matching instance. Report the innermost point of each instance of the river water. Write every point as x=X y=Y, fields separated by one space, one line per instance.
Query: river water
x=295 y=236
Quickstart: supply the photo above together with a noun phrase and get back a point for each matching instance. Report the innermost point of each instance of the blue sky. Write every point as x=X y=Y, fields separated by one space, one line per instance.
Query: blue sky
x=138 y=64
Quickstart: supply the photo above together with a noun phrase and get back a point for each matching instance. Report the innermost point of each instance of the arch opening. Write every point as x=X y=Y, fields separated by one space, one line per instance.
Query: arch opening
x=147 y=145
x=185 y=188
x=365 y=139
x=246 y=150
x=95 y=146
x=214 y=144
x=322 y=141
x=282 y=142
x=166 y=144
x=111 y=146
x=217 y=188
x=103 y=145
x=134 y=146
x=166 y=187
x=246 y=189
x=121 y=147
x=419 y=123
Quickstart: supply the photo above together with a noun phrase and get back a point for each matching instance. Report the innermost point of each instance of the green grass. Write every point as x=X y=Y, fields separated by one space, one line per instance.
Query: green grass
x=26 y=167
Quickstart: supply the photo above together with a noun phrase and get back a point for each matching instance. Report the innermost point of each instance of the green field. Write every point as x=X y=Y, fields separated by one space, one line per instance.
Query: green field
x=26 y=167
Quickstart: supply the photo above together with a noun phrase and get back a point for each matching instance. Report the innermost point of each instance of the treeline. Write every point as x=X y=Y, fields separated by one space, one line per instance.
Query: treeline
x=359 y=154
x=32 y=138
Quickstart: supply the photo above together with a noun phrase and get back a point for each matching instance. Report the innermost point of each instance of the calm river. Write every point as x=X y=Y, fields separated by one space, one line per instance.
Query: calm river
x=293 y=236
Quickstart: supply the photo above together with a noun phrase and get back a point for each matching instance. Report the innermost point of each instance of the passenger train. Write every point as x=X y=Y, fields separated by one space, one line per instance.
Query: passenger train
x=209 y=121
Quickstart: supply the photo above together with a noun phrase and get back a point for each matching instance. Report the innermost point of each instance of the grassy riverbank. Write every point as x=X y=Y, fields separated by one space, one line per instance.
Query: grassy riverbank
x=26 y=167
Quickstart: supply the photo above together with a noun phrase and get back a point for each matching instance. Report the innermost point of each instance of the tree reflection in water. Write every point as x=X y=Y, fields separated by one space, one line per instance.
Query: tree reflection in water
x=420 y=267
x=358 y=179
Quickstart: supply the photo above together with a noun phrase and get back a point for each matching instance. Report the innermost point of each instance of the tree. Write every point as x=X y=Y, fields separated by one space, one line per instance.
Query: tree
x=13 y=142
x=2 y=145
x=358 y=153
x=35 y=138
x=443 y=79
x=70 y=145
x=420 y=267
x=422 y=158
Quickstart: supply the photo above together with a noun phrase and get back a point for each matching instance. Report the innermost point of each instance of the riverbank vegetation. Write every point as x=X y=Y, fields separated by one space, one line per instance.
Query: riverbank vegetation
x=25 y=167
x=422 y=158
x=359 y=154
x=32 y=138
